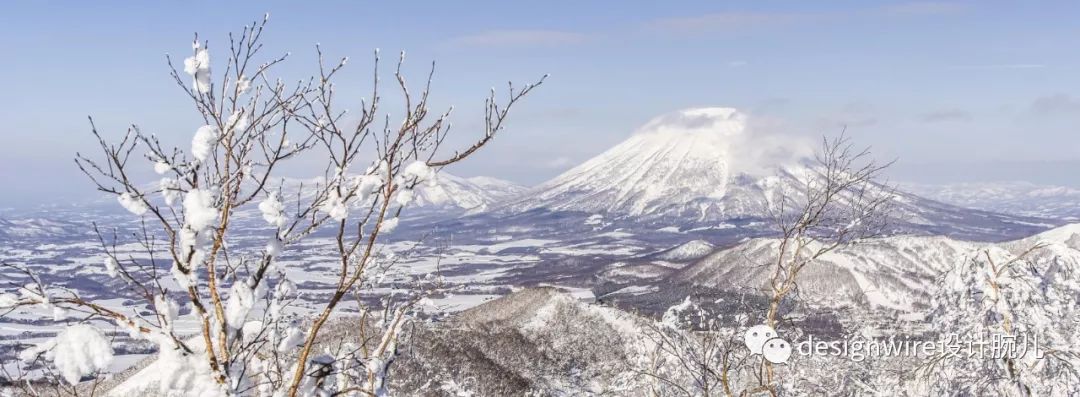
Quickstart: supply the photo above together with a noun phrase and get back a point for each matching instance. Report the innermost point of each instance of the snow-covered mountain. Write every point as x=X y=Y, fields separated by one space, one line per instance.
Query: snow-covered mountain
x=35 y=228
x=448 y=196
x=447 y=192
x=676 y=165
x=1018 y=198
x=525 y=344
x=694 y=249
x=891 y=272
x=711 y=166
x=466 y=193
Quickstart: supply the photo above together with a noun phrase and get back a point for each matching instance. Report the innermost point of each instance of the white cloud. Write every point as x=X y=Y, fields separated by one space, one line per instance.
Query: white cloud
x=519 y=38
x=1056 y=103
x=727 y=22
x=918 y=8
x=558 y=162
x=858 y=114
x=1004 y=66
x=945 y=115
x=740 y=21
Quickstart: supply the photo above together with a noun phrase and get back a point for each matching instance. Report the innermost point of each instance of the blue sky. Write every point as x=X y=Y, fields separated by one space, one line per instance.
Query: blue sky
x=957 y=91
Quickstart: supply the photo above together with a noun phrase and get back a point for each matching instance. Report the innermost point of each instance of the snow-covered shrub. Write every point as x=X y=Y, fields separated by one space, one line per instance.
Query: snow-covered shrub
x=698 y=352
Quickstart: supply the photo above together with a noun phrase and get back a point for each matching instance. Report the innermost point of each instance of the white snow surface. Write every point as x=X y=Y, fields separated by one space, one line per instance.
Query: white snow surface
x=202 y=144
x=77 y=351
x=133 y=204
x=198 y=66
x=161 y=167
x=335 y=206
x=273 y=211
x=199 y=211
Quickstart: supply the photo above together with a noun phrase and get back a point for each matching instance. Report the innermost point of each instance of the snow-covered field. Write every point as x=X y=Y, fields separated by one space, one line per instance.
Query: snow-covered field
x=472 y=272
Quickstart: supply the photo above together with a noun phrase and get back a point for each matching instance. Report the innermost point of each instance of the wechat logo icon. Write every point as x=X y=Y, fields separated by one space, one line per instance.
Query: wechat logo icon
x=763 y=340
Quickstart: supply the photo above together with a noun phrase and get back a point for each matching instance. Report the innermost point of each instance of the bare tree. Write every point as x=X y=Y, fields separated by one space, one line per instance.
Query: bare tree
x=837 y=201
x=254 y=124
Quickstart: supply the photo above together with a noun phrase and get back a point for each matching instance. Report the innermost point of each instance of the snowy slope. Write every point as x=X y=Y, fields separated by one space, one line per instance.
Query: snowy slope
x=466 y=193
x=536 y=341
x=1018 y=198
x=892 y=272
x=694 y=249
x=708 y=166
